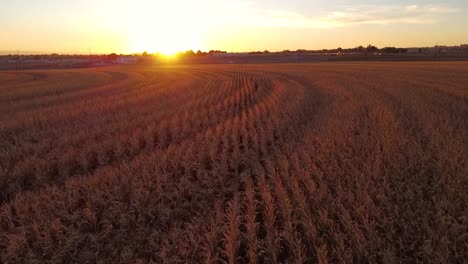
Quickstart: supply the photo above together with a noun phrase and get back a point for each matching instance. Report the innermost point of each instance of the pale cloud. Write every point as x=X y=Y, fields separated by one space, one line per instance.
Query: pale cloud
x=343 y=17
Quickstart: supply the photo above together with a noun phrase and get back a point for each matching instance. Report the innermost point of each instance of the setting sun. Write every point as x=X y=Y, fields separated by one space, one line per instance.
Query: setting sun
x=167 y=31
x=166 y=41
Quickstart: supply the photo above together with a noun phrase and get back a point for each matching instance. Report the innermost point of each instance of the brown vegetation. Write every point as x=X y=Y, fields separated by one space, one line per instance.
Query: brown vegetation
x=285 y=163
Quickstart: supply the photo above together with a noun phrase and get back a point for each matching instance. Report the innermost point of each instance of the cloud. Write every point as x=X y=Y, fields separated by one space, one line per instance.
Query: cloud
x=345 y=16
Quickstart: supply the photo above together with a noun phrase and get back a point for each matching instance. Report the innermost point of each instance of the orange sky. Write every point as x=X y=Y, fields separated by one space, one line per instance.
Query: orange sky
x=168 y=26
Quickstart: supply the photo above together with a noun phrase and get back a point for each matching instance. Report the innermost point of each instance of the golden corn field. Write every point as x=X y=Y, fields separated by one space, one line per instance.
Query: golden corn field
x=276 y=163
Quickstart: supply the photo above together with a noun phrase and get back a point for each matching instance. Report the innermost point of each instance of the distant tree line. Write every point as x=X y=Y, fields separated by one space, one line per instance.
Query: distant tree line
x=199 y=53
x=260 y=52
x=360 y=49
x=393 y=50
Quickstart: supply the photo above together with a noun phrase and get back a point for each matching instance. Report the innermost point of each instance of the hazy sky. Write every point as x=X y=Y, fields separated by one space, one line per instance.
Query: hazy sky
x=75 y=26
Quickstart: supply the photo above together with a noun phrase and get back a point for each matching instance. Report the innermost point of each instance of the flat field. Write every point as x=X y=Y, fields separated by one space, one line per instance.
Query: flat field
x=275 y=163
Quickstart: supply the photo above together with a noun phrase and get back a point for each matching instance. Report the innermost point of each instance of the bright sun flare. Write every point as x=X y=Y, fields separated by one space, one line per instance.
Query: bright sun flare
x=165 y=32
x=167 y=44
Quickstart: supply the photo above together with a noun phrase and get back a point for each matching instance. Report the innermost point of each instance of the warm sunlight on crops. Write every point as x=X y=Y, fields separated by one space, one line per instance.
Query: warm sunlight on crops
x=275 y=163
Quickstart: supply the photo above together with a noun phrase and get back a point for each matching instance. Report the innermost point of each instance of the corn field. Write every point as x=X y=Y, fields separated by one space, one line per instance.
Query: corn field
x=276 y=163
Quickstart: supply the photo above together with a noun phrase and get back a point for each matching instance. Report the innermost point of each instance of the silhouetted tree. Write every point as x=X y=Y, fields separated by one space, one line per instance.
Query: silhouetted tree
x=112 y=56
x=371 y=48
x=189 y=53
x=216 y=51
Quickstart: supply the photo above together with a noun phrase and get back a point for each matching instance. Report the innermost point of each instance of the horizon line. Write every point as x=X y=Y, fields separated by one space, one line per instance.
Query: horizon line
x=32 y=53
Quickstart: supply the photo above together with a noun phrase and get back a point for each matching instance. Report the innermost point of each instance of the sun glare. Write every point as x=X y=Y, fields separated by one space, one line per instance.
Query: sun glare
x=165 y=32
x=167 y=42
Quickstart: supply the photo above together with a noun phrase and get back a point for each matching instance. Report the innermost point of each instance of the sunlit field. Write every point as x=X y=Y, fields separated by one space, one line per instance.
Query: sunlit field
x=275 y=163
